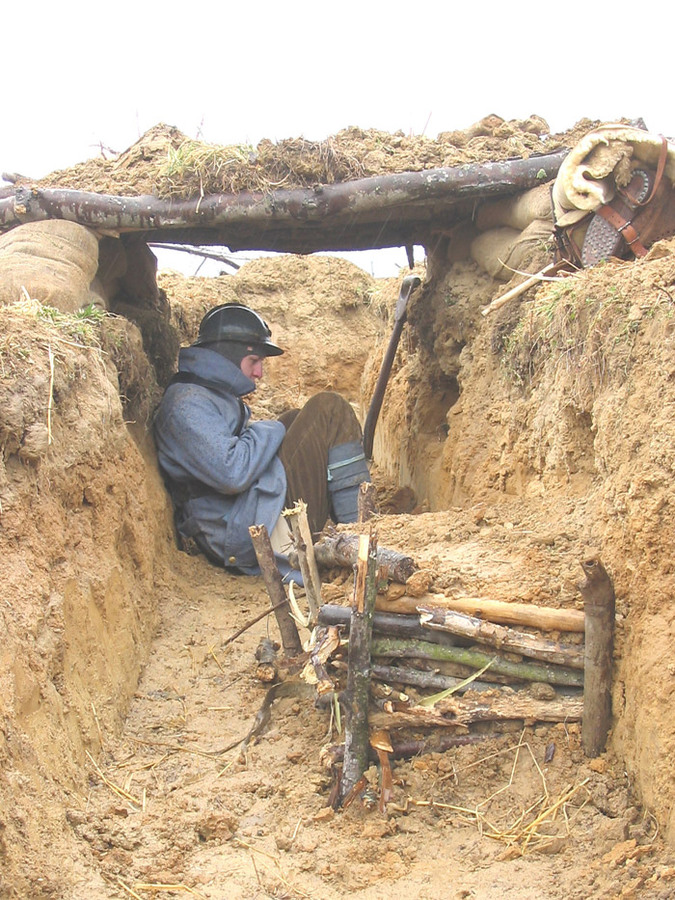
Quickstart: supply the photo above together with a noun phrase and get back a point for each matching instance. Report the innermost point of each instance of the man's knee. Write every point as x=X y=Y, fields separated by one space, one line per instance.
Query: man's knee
x=337 y=411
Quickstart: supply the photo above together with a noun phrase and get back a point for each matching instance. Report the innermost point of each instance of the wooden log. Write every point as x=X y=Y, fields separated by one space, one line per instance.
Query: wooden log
x=429 y=680
x=457 y=711
x=290 y=639
x=504 y=638
x=357 y=693
x=266 y=654
x=393 y=624
x=398 y=648
x=599 y=605
x=545 y=618
x=380 y=211
x=342 y=549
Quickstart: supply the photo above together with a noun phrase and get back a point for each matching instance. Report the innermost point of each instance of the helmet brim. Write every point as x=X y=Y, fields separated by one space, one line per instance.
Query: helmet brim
x=260 y=348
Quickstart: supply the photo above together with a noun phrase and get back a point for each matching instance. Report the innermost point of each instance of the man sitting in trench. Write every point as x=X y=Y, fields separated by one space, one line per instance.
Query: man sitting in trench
x=226 y=472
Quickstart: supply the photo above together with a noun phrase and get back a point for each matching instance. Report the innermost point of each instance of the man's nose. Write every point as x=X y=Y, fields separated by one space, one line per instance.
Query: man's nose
x=258 y=369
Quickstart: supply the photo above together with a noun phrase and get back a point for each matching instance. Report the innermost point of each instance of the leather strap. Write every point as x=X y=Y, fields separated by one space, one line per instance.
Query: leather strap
x=625 y=228
x=660 y=169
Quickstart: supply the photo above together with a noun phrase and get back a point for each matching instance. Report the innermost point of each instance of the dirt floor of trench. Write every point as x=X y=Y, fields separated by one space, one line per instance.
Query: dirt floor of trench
x=493 y=819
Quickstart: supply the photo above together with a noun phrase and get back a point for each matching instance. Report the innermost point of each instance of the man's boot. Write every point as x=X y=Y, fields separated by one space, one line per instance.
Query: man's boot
x=347 y=469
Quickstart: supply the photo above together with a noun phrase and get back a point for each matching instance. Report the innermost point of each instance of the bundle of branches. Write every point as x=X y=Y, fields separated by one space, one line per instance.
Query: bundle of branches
x=391 y=651
x=513 y=674
x=452 y=652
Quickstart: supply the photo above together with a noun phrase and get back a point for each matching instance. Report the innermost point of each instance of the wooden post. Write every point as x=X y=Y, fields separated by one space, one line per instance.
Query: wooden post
x=599 y=607
x=290 y=639
x=367 y=501
x=358 y=673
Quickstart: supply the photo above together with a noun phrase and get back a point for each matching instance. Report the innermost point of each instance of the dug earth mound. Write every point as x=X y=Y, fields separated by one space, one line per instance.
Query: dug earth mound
x=510 y=448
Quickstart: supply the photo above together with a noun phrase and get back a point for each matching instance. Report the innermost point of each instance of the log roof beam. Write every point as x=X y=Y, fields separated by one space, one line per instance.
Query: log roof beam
x=381 y=211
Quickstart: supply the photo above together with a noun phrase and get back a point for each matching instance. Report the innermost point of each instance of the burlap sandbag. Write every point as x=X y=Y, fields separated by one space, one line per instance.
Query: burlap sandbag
x=503 y=251
x=516 y=212
x=601 y=161
x=53 y=261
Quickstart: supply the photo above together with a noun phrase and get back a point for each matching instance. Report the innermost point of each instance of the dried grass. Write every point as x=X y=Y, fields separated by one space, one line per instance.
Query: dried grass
x=524 y=832
x=125 y=795
x=194 y=169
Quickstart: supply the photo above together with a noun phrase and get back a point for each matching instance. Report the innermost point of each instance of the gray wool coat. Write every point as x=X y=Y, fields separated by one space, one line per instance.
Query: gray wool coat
x=226 y=481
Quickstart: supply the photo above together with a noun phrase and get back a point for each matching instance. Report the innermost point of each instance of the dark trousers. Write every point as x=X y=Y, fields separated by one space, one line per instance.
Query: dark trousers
x=325 y=421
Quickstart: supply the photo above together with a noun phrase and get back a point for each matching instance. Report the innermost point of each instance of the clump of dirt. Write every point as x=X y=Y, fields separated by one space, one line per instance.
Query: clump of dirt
x=165 y=163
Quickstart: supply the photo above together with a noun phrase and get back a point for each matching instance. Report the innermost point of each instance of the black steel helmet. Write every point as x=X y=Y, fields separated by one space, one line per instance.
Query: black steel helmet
x=234 y=322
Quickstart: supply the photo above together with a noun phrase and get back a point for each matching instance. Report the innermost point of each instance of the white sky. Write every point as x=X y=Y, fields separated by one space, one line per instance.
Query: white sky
x=78 y=76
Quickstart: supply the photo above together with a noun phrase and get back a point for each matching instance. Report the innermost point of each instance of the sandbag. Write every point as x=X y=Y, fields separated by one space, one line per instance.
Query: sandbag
x=602 y=160
x=516 y=212
x=503 y=251
x=53 y=261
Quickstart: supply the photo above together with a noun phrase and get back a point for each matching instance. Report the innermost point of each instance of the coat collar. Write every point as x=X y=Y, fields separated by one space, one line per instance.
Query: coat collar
x=211 y=366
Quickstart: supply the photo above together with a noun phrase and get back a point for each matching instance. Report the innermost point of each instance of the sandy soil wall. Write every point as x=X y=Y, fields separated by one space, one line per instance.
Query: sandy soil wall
x=84 y=532
x=564 y=401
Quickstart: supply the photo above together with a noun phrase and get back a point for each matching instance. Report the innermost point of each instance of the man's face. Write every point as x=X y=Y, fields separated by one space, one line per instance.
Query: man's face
x=252 y=366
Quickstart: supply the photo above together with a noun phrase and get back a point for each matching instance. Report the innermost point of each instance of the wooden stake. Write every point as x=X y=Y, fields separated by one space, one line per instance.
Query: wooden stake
x=290 y=639
x=599 y=605
x=358 y=673
x=367 y=501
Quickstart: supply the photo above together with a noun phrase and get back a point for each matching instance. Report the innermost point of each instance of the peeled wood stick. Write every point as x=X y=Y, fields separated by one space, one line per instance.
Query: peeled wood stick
x=327 y=644
x=544 y=617
x=525 y=671
x=455 y=711
x=342 y=550
x=290 y=639
x=544 y=275
x=357 y=693
x=302 y=538
x=599 y=604
x=504 y=638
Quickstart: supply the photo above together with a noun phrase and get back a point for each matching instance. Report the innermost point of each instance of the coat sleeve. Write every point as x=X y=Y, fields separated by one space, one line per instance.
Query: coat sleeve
x=196 y=438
